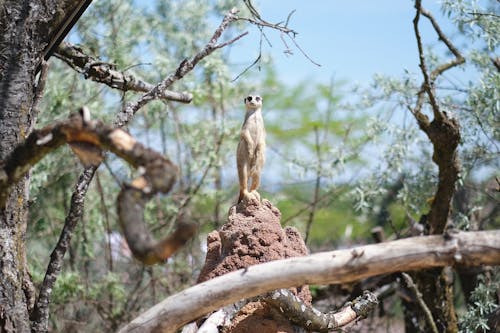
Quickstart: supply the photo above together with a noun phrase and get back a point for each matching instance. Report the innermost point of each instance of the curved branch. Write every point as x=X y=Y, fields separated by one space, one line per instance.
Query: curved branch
x=462 y=248
x=88 y=139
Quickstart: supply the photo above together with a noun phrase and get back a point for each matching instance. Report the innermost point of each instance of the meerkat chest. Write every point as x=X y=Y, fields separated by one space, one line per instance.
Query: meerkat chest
x=254 y=124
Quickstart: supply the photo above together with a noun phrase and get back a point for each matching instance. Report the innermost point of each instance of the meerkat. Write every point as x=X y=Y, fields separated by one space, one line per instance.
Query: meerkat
x=250 y=154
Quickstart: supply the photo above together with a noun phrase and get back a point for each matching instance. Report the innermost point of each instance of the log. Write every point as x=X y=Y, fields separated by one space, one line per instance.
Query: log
x=459 y=248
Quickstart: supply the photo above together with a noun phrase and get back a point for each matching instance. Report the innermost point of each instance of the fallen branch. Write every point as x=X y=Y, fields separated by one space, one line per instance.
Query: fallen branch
x=106 y=73
x=461 y=248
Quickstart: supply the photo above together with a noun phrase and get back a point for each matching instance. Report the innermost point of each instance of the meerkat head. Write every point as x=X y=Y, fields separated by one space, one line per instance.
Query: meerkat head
x=253 y=102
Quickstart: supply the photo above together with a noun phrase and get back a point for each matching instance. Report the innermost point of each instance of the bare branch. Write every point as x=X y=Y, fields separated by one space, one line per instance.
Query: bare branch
x=258 y=21
x=306 y=316
x=462 y=248
x=106 y=73
x=459 y=59
x=280 y=26
x=184 y=67
x=427 y=86
x=418 y=296
x=40 y=314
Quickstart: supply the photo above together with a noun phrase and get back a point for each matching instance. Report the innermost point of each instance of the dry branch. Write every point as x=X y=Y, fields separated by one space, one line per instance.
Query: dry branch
x=184 y=67
x=106 y=73
x=306 y=316
x=88 y=138
x=443 y=131
x=462 y=248
x=418 y=296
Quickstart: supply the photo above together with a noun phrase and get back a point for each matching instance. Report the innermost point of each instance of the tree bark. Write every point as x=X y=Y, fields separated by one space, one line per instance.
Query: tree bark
x=27 y=28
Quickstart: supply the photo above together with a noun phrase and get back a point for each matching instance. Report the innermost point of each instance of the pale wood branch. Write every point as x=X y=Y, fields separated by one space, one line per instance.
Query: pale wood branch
x=461 y=248
x=310 y=318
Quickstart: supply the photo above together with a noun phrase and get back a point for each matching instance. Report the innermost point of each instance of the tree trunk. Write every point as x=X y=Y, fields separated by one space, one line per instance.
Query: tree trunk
x=27 y=28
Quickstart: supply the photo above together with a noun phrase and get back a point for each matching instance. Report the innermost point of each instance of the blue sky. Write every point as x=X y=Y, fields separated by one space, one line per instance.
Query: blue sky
x=352 y=40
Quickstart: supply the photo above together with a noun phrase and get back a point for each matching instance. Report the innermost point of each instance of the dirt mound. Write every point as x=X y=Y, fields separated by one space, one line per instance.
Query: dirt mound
x=253 y=235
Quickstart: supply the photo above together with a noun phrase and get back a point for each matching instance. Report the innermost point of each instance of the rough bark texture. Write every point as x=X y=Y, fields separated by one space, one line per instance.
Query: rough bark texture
x=107 y=73
x=253 y=235
x=443 y=131
x=26 y=29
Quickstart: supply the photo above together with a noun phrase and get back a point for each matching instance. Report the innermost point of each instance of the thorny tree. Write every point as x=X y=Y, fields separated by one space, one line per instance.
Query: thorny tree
x=32 y=31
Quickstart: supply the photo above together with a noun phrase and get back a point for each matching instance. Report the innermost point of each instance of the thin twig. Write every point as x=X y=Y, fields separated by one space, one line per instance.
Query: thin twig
x=459 y=59
x=283 y=28
x=184 y=67
x=427 y=86
x=317 y=185
x=428 y=315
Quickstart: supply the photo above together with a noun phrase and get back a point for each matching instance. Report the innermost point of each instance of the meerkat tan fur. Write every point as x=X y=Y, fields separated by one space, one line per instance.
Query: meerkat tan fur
x=250 y=154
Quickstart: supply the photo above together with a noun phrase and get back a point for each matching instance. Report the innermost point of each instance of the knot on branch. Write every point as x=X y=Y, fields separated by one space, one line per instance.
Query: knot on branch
x=445 y=136
x=364 y=304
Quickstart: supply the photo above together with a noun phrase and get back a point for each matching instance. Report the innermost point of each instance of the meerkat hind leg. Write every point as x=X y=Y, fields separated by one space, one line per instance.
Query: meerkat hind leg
x=243 y=177
x=255 y=185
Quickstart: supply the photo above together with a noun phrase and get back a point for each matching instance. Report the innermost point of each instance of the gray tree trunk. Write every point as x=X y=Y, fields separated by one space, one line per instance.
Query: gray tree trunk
x=27 y=28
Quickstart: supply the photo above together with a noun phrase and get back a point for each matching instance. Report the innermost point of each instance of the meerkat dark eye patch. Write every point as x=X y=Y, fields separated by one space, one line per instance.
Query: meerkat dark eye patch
x=249 y=98
x=258 y=98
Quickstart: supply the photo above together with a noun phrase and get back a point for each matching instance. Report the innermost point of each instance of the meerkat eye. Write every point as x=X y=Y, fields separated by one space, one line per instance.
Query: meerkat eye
x=249 y=98
x=258 y=99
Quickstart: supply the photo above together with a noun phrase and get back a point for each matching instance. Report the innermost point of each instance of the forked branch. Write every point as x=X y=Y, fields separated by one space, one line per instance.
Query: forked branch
x=443 y=131
x=184 y=67
x=306 y=316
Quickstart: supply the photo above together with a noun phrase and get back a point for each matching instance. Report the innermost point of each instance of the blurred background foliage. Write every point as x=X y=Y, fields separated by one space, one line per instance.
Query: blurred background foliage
x=341 y=159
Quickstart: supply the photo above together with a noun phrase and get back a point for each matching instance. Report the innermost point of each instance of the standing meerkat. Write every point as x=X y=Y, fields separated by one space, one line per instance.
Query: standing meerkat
x=250 y=154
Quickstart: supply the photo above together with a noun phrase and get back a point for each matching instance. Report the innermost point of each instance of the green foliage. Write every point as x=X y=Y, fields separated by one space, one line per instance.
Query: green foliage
x=68 y=288
x=483 y=302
